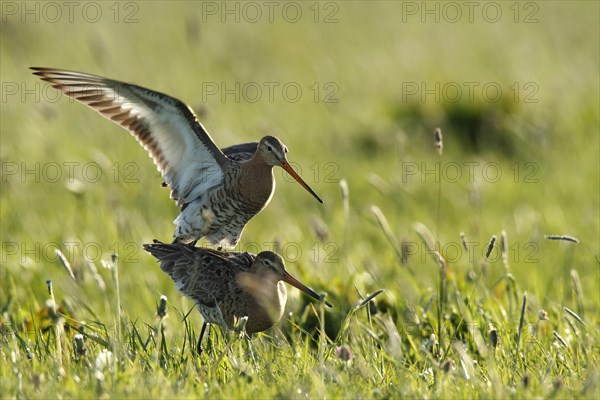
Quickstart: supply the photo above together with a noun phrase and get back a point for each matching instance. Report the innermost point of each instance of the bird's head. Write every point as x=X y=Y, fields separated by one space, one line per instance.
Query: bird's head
x=273 y=152
x=268 y=263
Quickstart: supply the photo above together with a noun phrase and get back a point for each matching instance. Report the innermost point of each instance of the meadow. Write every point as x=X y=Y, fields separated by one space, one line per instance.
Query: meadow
x=467 y=272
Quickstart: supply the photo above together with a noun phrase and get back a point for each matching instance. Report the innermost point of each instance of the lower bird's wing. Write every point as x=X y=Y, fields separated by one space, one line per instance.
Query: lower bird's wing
x=168 y=129
x=201 y=274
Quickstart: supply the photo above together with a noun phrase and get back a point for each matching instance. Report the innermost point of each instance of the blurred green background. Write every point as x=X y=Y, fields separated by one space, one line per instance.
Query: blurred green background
x=374 y=79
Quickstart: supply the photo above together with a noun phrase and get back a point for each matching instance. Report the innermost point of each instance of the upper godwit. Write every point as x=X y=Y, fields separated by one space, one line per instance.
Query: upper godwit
x=218 y=191
x=229 y=286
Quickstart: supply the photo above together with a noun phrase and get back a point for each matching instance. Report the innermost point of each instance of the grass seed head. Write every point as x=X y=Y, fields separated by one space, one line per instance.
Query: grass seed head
x=79 y=344
x=405 y=250
x=438 y=140
x=97 y=277
x=574 y=315
x=493 y=335
x=65 y=263
x=162 y=307
x=463 y=240
x=565 y=238
x=344 y=189
x=504 y=245
x=440 y=260
x=560 y=339
x=490 y=247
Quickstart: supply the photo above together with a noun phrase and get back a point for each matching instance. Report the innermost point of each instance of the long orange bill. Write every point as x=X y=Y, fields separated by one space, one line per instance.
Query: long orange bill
x=296 y=283
x=293 y=173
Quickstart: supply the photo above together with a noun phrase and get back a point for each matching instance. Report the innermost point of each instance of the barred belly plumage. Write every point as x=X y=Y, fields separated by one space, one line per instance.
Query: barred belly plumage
x=220 y=217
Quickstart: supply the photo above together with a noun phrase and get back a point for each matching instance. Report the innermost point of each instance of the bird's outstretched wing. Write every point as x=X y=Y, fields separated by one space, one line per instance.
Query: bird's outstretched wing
x=168 y=129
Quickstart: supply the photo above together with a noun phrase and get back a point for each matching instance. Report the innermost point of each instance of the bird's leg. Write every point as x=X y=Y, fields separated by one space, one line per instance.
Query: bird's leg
x=199 y=345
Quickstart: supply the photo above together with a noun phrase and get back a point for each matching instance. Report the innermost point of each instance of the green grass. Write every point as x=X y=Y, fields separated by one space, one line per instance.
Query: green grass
x=458 y=326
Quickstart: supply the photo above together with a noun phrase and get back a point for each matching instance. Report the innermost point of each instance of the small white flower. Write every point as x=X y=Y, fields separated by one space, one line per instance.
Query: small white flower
x=104 y=359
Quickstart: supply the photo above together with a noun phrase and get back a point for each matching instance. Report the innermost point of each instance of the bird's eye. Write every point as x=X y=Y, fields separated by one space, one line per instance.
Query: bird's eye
x=269 y=148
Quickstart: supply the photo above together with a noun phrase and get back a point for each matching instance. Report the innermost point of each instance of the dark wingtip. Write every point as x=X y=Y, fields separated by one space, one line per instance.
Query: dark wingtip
x=149 y=247
x=39 y=70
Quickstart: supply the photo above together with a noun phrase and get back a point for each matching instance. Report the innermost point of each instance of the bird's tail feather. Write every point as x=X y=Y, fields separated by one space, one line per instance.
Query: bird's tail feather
x=167 y=254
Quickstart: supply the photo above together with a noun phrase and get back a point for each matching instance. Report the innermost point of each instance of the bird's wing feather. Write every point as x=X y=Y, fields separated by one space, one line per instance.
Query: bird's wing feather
x=240 y=148
x=202 y=274
x=168 y=129
x=240 y=152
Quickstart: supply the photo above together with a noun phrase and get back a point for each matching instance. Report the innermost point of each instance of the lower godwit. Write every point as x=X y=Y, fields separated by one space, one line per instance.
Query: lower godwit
x=229 y=286
x=218 y=191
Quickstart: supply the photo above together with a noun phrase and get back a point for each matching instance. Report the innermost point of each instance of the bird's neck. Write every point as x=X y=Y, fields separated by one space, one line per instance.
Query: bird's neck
x=257 y=179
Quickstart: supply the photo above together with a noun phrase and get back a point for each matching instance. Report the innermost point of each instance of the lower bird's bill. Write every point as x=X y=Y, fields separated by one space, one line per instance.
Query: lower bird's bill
x=288 y=168
x=297 y=284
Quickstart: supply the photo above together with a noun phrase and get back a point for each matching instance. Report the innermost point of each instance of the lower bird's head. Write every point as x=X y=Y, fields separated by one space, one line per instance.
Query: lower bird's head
x=273 y=152
x=270 y=264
